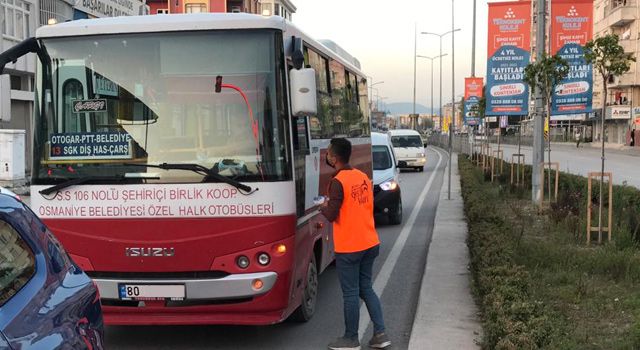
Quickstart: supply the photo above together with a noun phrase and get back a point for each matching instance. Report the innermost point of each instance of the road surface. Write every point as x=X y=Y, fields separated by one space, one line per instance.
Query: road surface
x=581 y=161
x=398 y=272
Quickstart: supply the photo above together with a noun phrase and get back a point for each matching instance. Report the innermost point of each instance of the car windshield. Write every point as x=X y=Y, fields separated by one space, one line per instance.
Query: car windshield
x=209 y=98
x=406 y=141
x=381 y=158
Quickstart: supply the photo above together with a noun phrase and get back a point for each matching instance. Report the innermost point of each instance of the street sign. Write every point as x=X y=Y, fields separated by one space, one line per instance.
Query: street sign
x=508 y=52
x=571 y=28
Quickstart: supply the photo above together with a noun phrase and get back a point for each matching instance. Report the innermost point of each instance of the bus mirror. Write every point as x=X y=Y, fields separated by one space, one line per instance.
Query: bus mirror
x=297 y=54
x=303 y=92
x=20 y=49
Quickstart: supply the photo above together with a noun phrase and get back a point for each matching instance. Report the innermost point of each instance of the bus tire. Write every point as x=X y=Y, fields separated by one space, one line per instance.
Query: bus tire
x=307 y=307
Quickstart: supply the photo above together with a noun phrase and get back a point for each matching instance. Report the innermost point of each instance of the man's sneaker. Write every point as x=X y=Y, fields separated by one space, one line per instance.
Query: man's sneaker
x=379 y=341
x=343 y=343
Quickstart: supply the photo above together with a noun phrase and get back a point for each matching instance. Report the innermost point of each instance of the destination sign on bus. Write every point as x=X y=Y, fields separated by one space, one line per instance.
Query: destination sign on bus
x=198 y=200
x=93 y=145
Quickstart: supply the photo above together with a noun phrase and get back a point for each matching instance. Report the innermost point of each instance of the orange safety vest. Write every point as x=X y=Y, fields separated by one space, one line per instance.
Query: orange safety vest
x=354 y=229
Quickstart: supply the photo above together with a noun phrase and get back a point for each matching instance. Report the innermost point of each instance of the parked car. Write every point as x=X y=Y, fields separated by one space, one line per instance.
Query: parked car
x=8 y=192
x=387 y=197
x=46 y=300
x=408 y=147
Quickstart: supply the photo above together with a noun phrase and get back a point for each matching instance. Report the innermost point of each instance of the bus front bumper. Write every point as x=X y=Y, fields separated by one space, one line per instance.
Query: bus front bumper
x=229 y=287
x=228 y=300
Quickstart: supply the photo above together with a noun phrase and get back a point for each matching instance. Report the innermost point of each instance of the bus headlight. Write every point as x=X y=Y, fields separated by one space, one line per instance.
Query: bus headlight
x=264 y=259
x=390 y=185
x=242 y=262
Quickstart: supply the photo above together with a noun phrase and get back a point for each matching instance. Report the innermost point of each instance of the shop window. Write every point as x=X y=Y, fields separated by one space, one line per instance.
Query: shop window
x=16 y=19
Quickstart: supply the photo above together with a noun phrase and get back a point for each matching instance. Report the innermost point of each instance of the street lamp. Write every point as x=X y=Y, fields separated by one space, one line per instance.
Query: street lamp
x=431 y=59
x=441 y=55
x=378 y=101
x=371 y=87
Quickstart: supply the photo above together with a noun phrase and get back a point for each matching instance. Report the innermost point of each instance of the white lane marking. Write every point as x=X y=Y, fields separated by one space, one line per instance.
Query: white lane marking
x=389 y=264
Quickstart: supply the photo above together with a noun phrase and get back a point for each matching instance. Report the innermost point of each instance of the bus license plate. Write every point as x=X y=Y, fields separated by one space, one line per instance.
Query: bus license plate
x=152 y=291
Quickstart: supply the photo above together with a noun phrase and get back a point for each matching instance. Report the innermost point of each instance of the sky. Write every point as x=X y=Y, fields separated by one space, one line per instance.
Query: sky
x=380 y=34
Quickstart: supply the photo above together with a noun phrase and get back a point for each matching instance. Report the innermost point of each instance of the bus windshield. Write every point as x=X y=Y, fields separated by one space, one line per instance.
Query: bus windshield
x=108 y=104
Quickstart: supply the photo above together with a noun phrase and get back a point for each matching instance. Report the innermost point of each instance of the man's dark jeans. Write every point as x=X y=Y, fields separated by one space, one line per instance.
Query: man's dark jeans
x=354 y=271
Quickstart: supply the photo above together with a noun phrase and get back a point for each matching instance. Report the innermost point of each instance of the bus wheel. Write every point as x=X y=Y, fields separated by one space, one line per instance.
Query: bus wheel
x=308 y=306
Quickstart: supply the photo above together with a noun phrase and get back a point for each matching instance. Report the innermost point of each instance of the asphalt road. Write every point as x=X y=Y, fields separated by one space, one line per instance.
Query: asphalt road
x=581 y=161
x=399 y=295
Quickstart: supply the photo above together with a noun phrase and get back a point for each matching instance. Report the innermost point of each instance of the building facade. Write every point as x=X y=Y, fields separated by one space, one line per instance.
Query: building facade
x=283 y=8
x=447 y=116
x=623 y=98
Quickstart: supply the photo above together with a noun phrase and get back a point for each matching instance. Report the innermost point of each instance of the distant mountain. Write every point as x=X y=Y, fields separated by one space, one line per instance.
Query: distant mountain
x=407 y=108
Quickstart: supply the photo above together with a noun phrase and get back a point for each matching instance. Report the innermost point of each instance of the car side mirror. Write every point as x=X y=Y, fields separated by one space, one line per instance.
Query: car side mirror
x=402 y=164
x=303 y=92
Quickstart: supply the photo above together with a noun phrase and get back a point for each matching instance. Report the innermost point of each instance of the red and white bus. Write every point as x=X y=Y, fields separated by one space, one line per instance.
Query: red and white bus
x=177 y=159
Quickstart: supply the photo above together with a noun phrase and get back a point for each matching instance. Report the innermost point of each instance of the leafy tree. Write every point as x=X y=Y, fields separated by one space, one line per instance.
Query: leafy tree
x=608 y=59
x=543 y=75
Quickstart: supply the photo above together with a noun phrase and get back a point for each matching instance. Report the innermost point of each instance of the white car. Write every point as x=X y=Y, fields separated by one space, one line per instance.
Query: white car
x=387 y=198
x=408 y=147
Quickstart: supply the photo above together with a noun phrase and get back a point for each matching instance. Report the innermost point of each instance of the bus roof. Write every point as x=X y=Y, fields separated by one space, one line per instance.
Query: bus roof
x=187 y=22
x=160 y=23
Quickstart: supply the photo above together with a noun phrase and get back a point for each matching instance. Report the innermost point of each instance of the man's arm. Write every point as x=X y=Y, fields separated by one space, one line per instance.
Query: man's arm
x=336 y=195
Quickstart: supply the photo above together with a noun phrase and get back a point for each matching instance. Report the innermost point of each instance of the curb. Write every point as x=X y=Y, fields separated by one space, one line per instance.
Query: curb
x=446 y=316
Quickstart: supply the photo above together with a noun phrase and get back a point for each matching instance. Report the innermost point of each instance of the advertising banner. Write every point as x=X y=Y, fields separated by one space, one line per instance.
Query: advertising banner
x=571 y=28
x=472 y=94
x=508 y=56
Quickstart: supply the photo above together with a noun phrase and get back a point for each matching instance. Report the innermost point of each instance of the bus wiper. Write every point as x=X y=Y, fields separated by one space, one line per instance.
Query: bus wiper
x=80 y=181
x=202 y=170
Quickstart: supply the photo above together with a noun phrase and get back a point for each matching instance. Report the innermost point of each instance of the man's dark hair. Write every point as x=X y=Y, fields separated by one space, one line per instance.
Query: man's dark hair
x=341 y=148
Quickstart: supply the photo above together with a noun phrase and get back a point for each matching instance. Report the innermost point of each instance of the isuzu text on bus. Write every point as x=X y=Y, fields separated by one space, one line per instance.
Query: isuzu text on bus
x=177 y=158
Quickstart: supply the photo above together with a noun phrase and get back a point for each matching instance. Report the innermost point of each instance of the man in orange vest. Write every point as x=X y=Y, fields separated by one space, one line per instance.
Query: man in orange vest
x=356 y=243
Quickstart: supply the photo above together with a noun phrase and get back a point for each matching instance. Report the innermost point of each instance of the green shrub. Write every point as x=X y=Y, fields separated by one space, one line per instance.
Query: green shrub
x=537 y=282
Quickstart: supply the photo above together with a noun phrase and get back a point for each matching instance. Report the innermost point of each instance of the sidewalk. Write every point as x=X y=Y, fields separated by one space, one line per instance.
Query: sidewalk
x=446 y=317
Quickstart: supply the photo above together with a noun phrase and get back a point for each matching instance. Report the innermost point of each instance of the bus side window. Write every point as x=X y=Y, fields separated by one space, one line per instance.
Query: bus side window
x=301 y=135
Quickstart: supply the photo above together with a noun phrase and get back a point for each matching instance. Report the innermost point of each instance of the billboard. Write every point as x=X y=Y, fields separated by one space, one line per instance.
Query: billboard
x=571 y=29
x=472 y=93
x=508 y=56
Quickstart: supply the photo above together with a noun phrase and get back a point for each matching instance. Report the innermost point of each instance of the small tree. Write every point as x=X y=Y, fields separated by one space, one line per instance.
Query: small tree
x=543 y=75
x=609 y=59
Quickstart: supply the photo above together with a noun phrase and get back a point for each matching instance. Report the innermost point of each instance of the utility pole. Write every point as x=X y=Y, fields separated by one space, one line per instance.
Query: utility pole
x=431 y=59
x=473 y=42
x=415 y=52
x=538 y=121
x=453 y=93
x=473 y=69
